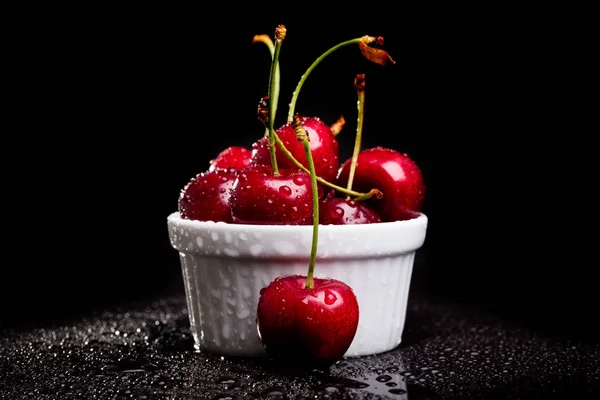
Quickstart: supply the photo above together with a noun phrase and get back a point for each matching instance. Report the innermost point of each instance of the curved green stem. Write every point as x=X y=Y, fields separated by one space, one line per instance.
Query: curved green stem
x=310 y=69
x=303 y=137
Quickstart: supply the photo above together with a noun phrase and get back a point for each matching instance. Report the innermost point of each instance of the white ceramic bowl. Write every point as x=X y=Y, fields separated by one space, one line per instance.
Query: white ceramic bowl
x=225 y=265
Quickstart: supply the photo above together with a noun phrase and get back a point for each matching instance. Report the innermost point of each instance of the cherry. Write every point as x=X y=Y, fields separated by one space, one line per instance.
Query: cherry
x=393 y=173
x=323 y=144
x=307 y=326
x=206 y=196
x=342 y=211
x=258 y=196
x=236 y=157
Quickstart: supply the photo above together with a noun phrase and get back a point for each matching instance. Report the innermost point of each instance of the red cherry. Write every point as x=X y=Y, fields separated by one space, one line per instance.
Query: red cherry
x=341 y=211
x=323 y=145
x=206 y=196
x=259 y=197
x=307 y=326
x=393 y=173
x=236 y=157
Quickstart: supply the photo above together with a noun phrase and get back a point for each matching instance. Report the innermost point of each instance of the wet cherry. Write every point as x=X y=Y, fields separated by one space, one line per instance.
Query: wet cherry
x=307 y=327
x=236 y=157
x=393 y=173
x=342 y=211
x=206 y=196
x=260 y=197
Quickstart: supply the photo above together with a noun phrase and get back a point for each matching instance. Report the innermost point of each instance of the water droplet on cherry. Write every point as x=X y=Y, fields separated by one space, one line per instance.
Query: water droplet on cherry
x=294 y=213
x=298 y=180
x=330 y=297
x=336 y=212
x=269 y=204
x=285 y=190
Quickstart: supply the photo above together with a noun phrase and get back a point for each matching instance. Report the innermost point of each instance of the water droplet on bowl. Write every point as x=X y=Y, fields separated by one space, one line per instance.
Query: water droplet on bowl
x=256 y=249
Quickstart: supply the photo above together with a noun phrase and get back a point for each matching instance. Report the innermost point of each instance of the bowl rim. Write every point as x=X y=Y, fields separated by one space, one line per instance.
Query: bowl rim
x=175 y=219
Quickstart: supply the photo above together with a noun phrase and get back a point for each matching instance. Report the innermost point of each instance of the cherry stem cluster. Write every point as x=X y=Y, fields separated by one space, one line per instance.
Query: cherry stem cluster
x=304 y=138
x=374 y=55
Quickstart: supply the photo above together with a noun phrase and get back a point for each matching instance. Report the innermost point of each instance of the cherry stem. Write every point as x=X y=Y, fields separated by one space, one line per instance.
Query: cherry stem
x=280 y=32
x=271 y=46
x=304 y=138
x=310 y=69
x=375 y=55
x=359 y=84
x=358 y=195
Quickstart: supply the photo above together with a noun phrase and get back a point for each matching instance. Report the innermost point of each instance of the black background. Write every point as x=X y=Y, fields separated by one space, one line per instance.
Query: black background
x=135 y=112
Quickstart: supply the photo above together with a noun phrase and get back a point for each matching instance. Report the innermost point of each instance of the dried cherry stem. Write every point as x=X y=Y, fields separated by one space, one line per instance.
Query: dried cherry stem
x=271 y=46
x=375 y=55
x=358 y=196
x=303 y=137
x=359 y=84
x=280 y=32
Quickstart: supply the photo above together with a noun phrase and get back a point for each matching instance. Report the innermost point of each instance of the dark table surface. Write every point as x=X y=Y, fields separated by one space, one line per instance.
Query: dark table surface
x=144 y=350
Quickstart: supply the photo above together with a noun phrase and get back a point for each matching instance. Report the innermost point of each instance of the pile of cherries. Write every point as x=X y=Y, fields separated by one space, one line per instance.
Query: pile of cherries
x=239 y=186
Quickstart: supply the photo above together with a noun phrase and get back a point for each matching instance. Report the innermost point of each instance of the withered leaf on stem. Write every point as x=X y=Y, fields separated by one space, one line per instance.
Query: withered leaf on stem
x=263 y=109
x=337 y=126
x=263 y=38
x=373 y=54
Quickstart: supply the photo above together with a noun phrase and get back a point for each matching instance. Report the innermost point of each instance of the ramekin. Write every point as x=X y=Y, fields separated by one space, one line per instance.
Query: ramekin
x=224 y=266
